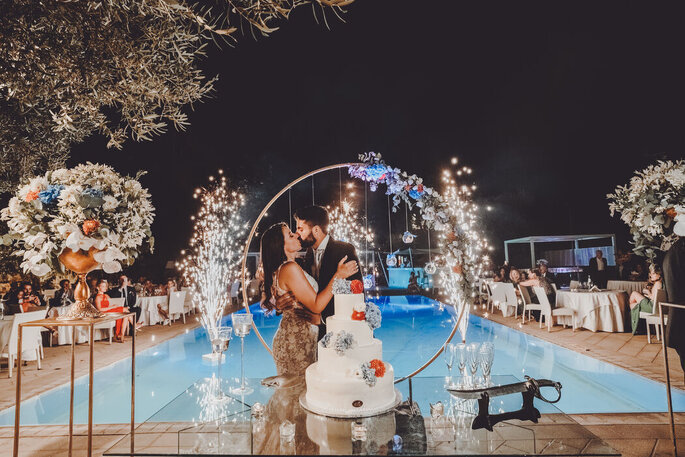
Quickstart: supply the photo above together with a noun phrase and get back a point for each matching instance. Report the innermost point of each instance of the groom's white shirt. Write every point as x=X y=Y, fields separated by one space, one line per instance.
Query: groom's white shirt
x=318 y=255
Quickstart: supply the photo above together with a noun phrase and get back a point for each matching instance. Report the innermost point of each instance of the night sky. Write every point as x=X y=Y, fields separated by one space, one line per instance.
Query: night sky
x=551 y=104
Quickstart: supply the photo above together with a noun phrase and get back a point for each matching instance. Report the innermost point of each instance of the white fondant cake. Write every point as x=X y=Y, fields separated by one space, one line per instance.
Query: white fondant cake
x=350 y=378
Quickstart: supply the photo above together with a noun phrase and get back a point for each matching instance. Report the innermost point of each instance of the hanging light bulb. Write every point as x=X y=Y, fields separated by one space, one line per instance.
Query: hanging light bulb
x=430 y=268
x=391 y=260
x=408 y=238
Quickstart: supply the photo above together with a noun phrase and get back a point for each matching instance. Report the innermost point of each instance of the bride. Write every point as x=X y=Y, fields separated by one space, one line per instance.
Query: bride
x=294 y=344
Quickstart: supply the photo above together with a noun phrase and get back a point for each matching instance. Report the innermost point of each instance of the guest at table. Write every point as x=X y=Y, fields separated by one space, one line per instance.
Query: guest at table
x=598 y=269
x=644 y=302
x=502 y=275
x=148 y=288
x=65 y=295
x=543 y=271
x=534 y=279
x=623 y=264
x=102 y=303
x=638 y=272
x=31 y=298
x=126 y=291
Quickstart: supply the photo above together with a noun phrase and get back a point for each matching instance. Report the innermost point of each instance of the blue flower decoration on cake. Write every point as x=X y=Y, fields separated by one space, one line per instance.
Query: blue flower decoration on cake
x=368 y=374
x=343 y=342
x=342 y=286
x=373 y=315
x=326 y=340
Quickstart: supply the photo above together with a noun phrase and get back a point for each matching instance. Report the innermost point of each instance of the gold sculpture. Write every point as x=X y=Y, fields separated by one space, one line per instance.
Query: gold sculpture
x=81 y=263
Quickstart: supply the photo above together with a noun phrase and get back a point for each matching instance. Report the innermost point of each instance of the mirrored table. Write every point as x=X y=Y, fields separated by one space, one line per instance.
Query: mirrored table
x=270 y=420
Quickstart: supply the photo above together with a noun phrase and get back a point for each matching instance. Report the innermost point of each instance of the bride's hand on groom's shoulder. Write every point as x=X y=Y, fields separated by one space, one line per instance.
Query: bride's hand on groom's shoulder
x=347 y=269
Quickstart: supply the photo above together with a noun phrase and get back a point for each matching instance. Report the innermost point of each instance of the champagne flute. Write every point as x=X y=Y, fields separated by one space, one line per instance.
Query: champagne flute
x=487 y=357
x=472 y=361
x=448 y=354
x=461 y=361
x=220 y=342
x=242 y=323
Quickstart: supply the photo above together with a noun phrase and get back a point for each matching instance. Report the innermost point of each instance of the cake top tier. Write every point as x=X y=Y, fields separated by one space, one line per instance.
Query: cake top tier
x=344 y=287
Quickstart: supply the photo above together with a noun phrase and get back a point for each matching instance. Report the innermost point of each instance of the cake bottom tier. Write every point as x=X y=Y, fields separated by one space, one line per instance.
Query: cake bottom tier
x=346 y=395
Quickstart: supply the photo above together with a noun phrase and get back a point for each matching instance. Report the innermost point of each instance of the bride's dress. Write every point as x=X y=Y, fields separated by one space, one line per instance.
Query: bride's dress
x=294 y=344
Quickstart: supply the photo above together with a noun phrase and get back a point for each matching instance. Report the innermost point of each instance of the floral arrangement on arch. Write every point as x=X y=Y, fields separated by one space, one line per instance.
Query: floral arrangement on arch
x=88 y=206
x=453 y=213
x=652 y=204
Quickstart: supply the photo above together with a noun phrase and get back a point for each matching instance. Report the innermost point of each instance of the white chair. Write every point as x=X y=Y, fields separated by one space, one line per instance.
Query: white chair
x=498 y=295
x=510 y=298
x=29 y=343
x=528 y=304
x=549 y=314
x=653 y=317
x=188 y=304
x=109 y=326
x=176 y=305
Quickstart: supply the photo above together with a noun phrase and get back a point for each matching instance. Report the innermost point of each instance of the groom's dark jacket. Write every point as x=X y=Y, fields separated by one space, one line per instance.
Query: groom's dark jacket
x=335 y=251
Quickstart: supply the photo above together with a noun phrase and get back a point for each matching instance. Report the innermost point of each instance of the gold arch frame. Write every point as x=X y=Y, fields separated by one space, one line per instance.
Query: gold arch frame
x=247 y=249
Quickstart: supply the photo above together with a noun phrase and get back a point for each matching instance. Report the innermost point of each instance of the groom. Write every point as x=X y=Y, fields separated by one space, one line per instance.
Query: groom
x=323 y=253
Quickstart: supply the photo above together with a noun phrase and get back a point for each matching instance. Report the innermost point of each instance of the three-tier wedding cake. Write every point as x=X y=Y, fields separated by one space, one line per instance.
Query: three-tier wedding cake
x=350 y=378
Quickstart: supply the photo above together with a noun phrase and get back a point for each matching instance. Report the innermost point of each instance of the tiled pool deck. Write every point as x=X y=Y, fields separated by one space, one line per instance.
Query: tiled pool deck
x=631 y=434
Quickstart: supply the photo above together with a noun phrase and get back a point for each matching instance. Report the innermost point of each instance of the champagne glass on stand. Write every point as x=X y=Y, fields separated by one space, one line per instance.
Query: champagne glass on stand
x=460 y=357
x=487 y=357
x=242 y=323
x=472 y=359
x=448 y=354
x=220 y=342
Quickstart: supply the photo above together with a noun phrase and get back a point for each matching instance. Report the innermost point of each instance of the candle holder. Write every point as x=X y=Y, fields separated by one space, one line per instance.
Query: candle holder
x=242 y=323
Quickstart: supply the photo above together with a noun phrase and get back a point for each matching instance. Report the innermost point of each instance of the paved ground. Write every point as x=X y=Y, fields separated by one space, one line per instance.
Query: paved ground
x=634 y=435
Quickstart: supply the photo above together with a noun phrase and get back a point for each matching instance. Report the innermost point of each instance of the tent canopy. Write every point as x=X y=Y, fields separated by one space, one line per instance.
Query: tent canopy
x=532 y=240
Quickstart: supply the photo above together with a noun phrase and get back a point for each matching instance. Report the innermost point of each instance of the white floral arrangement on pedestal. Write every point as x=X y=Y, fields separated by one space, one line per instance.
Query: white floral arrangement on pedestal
x=653 y=206
x=88 y=206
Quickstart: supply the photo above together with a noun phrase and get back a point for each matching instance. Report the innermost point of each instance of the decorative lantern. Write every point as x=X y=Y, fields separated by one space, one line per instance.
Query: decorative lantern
x=391 y=260
x=408 y=238
x=369 y=282
x=430 y=268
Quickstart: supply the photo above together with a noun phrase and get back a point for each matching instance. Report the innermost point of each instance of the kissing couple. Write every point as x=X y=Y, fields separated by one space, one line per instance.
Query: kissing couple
x=302 y=291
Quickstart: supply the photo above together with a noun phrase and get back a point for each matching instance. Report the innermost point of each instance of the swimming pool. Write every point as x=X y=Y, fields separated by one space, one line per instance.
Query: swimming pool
x=413 y=328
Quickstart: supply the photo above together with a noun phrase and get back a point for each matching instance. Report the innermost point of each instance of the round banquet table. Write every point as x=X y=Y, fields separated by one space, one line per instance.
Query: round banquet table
x=148 y=305
x=627 y=286
x=596 y=311
x=81 y=333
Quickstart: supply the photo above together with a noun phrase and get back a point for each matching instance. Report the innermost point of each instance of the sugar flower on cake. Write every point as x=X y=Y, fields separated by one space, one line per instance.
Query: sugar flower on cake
x=378 y=366
x=326 y=340
x=341 y=286
x=343 y=342
x=359 y=312
x=356 y=286
x=373 y=315
x=368 y=374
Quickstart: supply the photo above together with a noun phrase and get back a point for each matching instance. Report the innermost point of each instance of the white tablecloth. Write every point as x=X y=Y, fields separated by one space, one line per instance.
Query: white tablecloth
x=595 y=311
x=81 y=333
x=627 y=286
x=148 y=305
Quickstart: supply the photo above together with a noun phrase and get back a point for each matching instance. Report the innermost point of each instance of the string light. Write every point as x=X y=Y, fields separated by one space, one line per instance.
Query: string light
x=211 y=263
x=346 y=225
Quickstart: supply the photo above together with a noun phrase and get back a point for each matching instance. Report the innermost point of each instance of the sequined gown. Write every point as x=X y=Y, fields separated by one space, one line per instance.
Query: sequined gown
x=294 y=344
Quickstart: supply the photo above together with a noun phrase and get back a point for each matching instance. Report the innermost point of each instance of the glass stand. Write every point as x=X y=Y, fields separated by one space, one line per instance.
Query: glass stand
x=243 y=388
x=189 y=425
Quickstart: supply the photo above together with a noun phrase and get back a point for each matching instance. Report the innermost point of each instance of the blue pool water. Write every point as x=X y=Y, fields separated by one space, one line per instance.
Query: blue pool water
x=413 y=328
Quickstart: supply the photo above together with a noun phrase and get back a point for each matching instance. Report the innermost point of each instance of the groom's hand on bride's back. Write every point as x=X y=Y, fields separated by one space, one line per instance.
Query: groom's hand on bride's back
x=285 y=301
x=306 y=315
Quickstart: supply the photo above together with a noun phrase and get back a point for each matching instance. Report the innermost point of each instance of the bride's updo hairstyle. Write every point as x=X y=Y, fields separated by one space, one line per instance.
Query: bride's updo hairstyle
x=272 y=252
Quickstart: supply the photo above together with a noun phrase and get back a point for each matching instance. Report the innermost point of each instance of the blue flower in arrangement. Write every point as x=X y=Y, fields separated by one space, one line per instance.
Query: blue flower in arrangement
x=342 y=286
x=51 y=194
x=326 y=340
x=373 y=315
x=91 y=198
x=343 y=342
x=376 y=172
x=368 y=374
x=415 y=194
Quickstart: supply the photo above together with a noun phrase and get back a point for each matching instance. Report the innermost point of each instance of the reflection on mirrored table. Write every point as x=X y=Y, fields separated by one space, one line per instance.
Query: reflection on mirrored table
x=270 y=420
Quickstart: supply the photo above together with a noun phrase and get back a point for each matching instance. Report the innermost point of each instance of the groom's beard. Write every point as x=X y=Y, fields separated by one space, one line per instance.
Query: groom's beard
x=308 y=242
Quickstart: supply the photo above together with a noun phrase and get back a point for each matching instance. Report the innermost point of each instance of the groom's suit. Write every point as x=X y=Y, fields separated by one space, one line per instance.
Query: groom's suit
x=333 y=253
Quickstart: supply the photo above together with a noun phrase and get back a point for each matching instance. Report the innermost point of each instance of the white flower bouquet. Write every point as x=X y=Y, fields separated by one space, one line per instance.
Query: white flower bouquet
x=653 y=206
x=88 y=206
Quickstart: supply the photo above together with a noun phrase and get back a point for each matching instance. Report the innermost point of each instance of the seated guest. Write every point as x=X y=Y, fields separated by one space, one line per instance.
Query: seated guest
x=65 y=295
x=31 y=298
x=413 y=286
x=544 y=272
x=535 y=280
x=148 y=288
x=645 y=301
x=515 y=276
x=638 y=272
x=126 y=291
x=102 y=303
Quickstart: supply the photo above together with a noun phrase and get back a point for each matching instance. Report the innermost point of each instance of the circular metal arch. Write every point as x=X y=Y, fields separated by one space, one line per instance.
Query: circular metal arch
x=247 y=249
